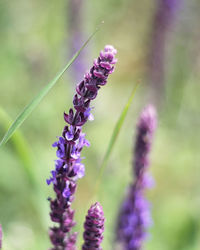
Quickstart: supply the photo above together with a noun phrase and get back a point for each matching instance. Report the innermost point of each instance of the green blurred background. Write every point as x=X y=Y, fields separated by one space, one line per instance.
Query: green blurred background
x=36 y=39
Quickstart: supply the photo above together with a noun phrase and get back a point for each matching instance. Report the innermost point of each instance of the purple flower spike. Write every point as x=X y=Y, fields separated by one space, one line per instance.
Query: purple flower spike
x=145 y=131
x=164 y=20
x=94 y=228
x=134 y=217
x=76 y=23
x=68 y=166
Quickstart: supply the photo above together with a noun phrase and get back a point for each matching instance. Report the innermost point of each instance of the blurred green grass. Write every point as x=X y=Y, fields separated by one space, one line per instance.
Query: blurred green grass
x=34 y=46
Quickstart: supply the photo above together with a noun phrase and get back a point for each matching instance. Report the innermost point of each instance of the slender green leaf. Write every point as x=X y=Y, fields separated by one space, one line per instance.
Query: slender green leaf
x=116 y=131
x=36 y=100
x=111 y=144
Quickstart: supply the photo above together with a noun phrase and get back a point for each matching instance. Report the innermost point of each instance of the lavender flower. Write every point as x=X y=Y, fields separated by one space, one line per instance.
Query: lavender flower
x=94 y=228
x=0 y=236
x=68 y=166
x=75 y=15
x=134 y=217
x=164 y=18
x=145 y=131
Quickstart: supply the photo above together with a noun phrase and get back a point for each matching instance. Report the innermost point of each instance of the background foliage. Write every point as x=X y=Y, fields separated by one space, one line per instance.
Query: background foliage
x=35 y=43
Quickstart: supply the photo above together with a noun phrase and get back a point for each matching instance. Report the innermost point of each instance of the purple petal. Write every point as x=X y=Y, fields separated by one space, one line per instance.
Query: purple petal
x=79 y=169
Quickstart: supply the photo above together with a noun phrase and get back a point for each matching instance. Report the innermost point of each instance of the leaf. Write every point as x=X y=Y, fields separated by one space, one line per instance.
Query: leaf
x=36 y=100
x=116 y=131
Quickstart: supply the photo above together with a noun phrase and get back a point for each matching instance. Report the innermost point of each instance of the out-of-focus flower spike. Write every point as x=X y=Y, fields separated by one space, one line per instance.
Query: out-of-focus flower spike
x=164 y=20
x=76 y=25
x=134 y=216
x=145 y=131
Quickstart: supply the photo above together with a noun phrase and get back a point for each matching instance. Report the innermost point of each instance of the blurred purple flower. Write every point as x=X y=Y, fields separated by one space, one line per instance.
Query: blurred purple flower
x=68 y=166
x=164 y=18
x=145 y=131
x=134 y=217
x=77 y=35
x=94 y=228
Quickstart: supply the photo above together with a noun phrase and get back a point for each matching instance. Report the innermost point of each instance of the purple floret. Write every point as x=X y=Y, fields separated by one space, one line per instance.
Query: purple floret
x=134 y=216
x=68 y=166
x=94 y=228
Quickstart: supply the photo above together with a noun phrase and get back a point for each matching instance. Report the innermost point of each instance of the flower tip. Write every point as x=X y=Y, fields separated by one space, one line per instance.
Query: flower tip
x=149 y=117
x=151 y=110
x=96 y=210
x=97 y=206
x=110 y=48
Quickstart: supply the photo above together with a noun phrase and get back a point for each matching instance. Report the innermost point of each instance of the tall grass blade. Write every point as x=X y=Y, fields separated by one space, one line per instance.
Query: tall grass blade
x=116 y=131
x=36 y=100
x=111 y=144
